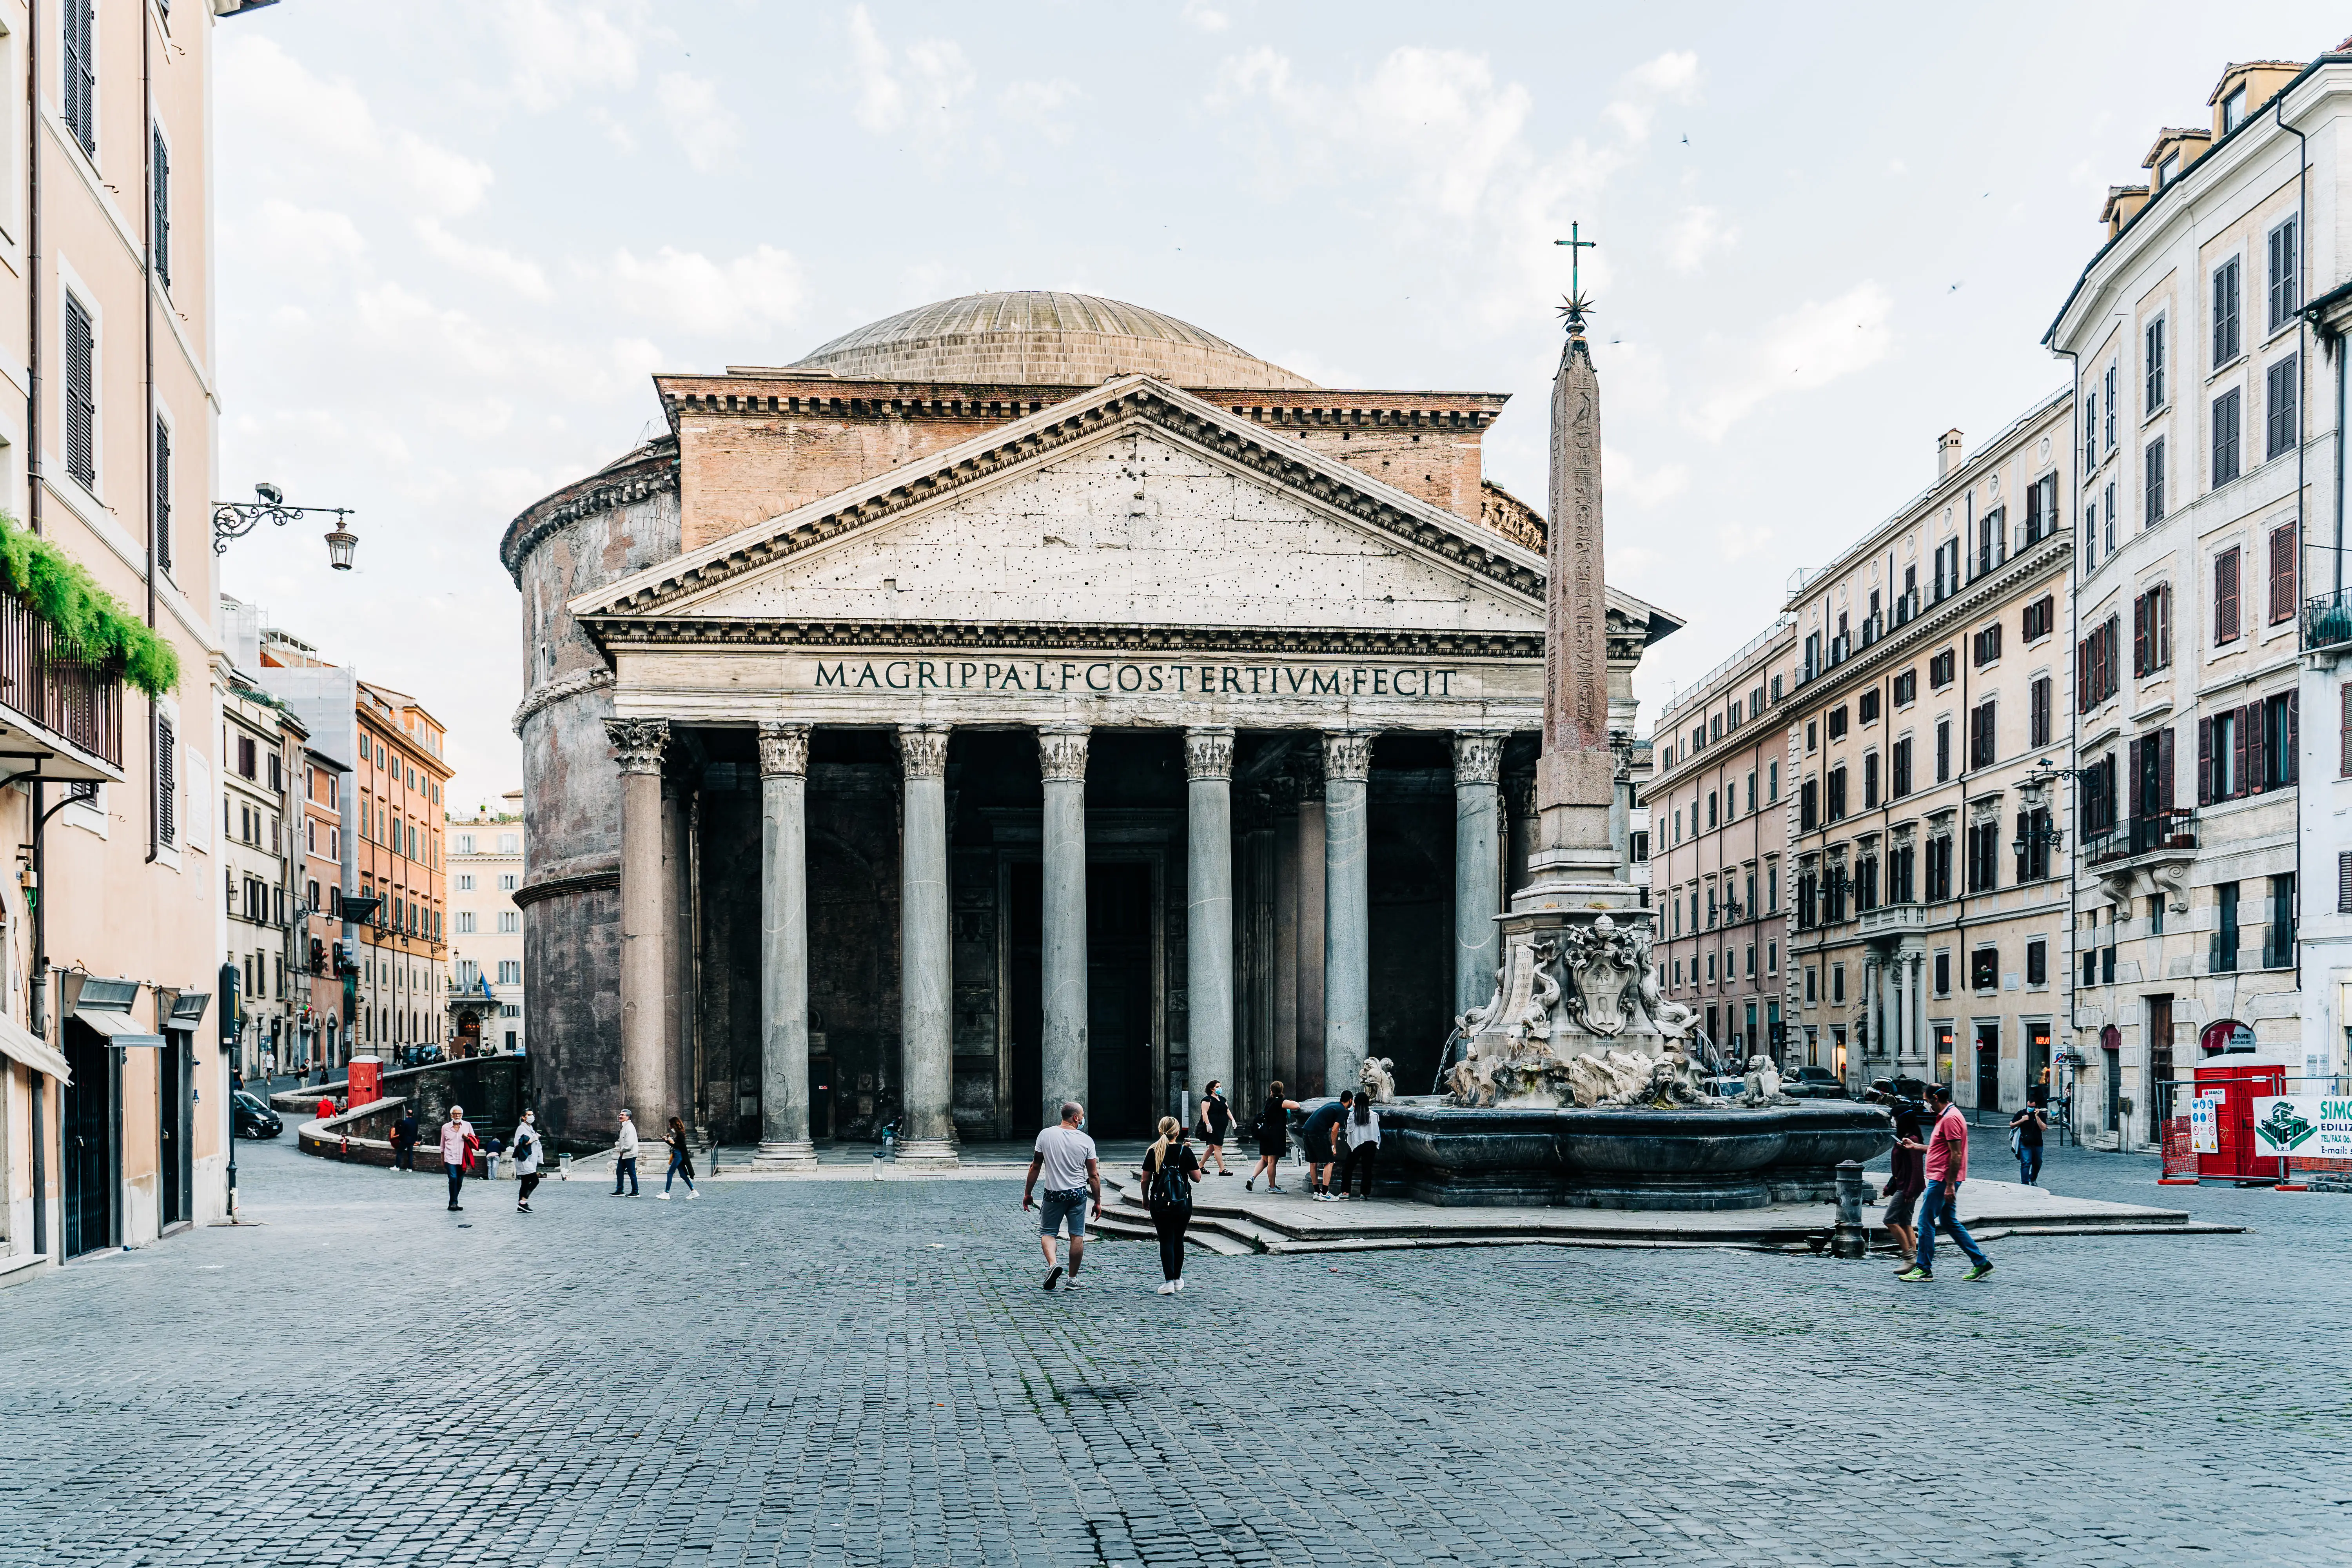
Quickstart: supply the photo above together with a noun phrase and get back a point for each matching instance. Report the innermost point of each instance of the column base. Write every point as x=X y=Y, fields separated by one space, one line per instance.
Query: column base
x=928 y=1154
x=785 y=1155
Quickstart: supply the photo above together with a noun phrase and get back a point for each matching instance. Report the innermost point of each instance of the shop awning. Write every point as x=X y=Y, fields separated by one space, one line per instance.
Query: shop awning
x=19 y=1044
x=117 y=1029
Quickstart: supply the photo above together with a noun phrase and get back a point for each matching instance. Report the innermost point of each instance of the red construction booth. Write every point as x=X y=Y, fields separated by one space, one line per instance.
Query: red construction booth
x=2234 y=1090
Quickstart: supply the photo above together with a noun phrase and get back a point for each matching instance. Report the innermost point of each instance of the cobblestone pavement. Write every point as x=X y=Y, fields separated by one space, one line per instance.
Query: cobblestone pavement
x=851 y=1373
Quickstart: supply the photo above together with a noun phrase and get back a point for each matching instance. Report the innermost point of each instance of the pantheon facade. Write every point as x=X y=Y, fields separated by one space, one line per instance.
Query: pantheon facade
x=1028 y=697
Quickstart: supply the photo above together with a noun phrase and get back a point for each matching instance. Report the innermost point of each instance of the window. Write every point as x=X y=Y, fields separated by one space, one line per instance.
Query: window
x=2285 y=274
x=2039 y=619
x=81 y=79
x=160 y=210
x=2041 y=509
x=1837 y=981
x=2152 y=491
x=1867 y=707
x=1981 y=742
x=1984 y=969
x=1984 y=856
x=2283 y=574
x=464 y=844
x=1711 y=819
x=1808 y=810
x=167 y=782
x=2152 y=630
x=1992 y=540
x=1985 y=648
x=1771 y=958
x=2225 y=595
x=1837 y=793
x=81 y=394
x=1771 y=781
x=2344 y=730
x=2109 y=507
x=2034 y=833
x=2278 y=741
x=1943 y=749
x=2090 y=535
x=1948 y=568
x=509 y=971
x=247 y=757
x=1942 y=669
x=2284 y=421
x=2225 y=436
x=2097 y=673
x=1944 y=974
x=465 y=881
x=510 y=843
x=2221 y=757
x=465 y=923
x=2225 y=939
x=1837 y=722
x=1906 y=688
x=2152 y=359
x=1813 y=734
x=159 y=526
x=2037 y=962
x=2114 y=398
x=2225 y=313
x=1870 y=781
x=509 y=922
x=1813 y=985
x=2091 y=430
x=2038 y=713
x=1899 y=771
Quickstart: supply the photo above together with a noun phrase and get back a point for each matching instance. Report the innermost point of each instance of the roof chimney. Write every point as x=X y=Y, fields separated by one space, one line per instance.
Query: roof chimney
x=1948 y=454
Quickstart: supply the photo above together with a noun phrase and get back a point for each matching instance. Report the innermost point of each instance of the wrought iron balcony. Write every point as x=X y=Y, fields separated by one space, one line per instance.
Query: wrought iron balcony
x=75 y=700
x=2221 y=952
x=2327 y=620
x=2154 y=834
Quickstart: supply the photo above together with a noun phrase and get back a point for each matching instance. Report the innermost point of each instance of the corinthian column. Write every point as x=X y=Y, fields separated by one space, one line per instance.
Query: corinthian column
x=648 y=1084
x=1347 y=919
x=783 y=950
x=1477 y=864
x=927 y=1063
x=1062 y=760
x=1209 y=910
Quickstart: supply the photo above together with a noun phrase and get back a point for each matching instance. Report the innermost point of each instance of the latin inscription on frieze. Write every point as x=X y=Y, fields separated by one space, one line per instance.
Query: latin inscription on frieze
x=1104 y=678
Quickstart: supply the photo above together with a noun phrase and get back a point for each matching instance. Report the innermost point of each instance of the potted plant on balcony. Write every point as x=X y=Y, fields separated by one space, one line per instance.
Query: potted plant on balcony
x=87 y=622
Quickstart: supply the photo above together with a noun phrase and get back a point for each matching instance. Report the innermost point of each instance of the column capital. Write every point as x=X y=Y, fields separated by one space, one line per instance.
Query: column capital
x=1209 y=753
x=783 y=751
x=923 y=749
x=1061 y=752
x=1348 y=754
x=1477 y=756
x=639 y=742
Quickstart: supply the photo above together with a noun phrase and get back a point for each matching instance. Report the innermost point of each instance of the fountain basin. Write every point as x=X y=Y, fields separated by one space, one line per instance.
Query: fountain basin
x=1683 y=1158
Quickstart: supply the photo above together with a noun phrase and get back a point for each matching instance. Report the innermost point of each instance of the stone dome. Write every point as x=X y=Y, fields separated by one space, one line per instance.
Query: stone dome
x=1037 y=337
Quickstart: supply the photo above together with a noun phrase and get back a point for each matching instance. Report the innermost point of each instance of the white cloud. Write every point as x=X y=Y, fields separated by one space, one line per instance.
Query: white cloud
x=1670 y=77
x=1698 y=233
x=1039 y=104
x=325 y=136
x=1810 y=347
x=1207 y=18
x=560 y=50
x=919 y=88
x=745 y=298
x=1628 y=480
x=704 y=128
x=487 y=262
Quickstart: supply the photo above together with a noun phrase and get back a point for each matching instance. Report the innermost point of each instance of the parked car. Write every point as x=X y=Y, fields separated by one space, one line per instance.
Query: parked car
x=251 y=1119
x=1815 y=1083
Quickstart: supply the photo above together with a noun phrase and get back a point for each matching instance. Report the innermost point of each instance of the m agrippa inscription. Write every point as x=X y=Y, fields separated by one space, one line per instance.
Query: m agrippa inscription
x=1106 y=678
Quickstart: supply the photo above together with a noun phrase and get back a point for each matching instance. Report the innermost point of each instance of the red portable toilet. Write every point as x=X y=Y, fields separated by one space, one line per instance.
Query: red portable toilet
x=366 y=1081
x=2235 y=1090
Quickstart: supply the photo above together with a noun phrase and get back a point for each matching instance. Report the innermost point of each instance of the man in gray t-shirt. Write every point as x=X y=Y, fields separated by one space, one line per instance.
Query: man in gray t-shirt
x=1066 y=1157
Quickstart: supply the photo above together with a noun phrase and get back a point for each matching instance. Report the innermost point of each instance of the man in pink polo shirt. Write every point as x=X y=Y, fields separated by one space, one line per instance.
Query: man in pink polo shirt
x=1948 y=1167
x=458 y=1147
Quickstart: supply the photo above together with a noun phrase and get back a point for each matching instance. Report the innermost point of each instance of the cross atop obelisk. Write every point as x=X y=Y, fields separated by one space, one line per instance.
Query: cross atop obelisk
x=1576 y=774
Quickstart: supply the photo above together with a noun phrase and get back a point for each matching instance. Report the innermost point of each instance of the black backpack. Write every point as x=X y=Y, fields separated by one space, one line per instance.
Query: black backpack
x=1170 y=1187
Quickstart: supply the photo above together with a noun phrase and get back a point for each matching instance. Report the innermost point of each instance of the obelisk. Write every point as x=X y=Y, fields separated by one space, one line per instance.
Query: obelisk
x=1574 y=864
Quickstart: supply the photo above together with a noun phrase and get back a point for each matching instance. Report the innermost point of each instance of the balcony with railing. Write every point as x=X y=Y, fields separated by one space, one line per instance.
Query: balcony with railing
x=2235 y=949
x=70 y=707
x=2327 y=620
x=2155 y=833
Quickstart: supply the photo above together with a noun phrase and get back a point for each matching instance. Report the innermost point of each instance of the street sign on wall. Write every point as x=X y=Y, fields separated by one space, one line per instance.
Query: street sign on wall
x=2309 y=1127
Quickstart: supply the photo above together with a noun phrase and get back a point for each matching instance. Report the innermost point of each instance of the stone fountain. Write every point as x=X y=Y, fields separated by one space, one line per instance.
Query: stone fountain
x=1575 y=1084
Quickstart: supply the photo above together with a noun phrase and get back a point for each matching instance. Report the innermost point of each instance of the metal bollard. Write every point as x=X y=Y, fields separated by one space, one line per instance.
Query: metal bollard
x=1850 y=1239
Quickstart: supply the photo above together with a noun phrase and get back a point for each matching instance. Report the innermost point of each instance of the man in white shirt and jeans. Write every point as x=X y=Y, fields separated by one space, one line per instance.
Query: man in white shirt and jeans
x=1067 y=1158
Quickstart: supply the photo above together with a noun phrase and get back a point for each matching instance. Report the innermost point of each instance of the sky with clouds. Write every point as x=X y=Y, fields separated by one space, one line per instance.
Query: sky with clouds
x=456 y=237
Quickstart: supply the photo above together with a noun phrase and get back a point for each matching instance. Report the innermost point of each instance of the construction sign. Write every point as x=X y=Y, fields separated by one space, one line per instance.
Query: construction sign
x=2307 y=1127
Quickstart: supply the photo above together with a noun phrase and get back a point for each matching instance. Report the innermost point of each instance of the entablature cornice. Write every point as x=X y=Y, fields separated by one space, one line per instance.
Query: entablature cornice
x=1018 y=637
x=2050 y=556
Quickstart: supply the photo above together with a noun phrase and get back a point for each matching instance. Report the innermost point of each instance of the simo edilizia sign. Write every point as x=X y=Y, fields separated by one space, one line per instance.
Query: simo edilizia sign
x=2309 y=1127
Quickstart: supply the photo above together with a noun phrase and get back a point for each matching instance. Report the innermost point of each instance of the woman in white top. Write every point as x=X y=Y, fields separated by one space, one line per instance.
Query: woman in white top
x=527 y=1152
x=1363 y=1134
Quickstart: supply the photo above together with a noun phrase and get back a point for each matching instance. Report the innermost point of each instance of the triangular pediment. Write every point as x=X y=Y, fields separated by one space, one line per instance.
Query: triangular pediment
x=1134 y=505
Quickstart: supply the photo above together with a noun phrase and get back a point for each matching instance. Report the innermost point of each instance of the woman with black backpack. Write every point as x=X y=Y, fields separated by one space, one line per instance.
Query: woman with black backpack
x=1170 y=1169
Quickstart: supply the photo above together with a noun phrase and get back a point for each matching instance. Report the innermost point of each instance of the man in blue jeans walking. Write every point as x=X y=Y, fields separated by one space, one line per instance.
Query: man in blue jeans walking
x=1948 y=1167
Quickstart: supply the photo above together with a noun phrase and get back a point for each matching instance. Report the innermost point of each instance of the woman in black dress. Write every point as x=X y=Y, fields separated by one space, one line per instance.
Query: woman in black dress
x=1273 y=1138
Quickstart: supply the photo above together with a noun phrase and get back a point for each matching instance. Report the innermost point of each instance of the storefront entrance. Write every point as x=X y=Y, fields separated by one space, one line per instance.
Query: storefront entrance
x=90 y=1157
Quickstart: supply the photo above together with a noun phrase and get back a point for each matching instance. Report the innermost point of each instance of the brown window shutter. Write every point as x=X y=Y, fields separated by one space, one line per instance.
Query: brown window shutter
x=2247 y=749
x=2140 y=634
x=2164 y=770
x=2225 y=596
x=2291 y=765
x=2283 y=574
x=2136 y=809
x=2204 y=761
x=2343 y=883
x=2344 y=728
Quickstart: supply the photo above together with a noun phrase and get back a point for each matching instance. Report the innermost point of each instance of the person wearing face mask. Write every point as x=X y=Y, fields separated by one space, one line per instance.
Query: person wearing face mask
x=527 y=1150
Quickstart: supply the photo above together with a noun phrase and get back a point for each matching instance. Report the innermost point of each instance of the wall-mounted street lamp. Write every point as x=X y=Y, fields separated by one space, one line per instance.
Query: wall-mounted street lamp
x=235 y=518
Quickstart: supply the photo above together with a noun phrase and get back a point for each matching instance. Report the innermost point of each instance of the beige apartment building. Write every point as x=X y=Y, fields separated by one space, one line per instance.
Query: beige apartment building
x=2208 y=604
x=1718 y=843
x=486 y=866
x=1929 y=923
x=112 y=1103
x=319 y=911
x=261 y=746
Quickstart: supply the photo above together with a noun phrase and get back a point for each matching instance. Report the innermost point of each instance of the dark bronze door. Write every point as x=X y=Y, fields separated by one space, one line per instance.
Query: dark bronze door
x=89 y=1130
x=1118 y=1000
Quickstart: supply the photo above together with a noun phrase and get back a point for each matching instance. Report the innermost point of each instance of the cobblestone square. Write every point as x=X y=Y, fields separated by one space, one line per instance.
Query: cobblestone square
x=867 y=1374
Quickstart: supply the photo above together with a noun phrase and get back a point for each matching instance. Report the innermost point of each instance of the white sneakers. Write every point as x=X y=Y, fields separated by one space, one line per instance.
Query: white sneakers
x=663 y=1196
x=691 y=1195
x=1179 y=1284
x=1168 y=1287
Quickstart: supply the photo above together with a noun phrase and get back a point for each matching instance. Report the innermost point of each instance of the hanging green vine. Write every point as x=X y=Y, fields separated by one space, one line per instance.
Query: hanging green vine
x=89 y=622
